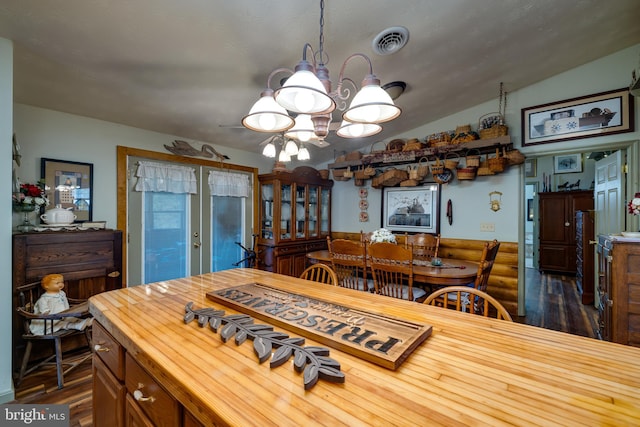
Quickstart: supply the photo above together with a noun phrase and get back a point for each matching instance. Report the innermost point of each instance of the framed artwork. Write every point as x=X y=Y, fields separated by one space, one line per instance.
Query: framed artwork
x=412 y=209
x=567 y=163
x=70 y=185
x=584 y=117
x=530 y=168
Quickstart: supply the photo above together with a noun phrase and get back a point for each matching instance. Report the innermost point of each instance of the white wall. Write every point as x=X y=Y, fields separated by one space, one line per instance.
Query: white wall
x=6 y=309
x=56 y=135
x=470 y=199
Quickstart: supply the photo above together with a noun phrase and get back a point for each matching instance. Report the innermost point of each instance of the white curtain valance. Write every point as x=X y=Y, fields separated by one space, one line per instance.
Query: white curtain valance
x=161 y=177
x=222 y=183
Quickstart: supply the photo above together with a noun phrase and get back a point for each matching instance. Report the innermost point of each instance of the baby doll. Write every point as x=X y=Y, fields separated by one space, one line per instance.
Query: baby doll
x=53 y=301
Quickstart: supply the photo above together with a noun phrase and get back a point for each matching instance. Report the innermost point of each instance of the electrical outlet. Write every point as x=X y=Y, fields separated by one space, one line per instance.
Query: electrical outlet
x=487 y=226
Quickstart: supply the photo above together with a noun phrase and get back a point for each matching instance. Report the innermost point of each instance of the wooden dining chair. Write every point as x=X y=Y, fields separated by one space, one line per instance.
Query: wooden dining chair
x=487 y=259
x=392 y=267
x=349 y=262
x=459 y=298
x=320 y=273
x=425 y=246
x=27 y=296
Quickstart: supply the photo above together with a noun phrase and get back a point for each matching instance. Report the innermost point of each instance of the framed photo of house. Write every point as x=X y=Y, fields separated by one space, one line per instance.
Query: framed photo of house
x=567 y=163
x=589 y=116
x=412 y=209
x=70 y=185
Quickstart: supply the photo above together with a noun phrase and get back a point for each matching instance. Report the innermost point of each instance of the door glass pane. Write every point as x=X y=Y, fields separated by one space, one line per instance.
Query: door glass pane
x=166 y=236
x=227 y=218
x=267 y=211
x=300 y=212
x=324 y=211
x=313 y=211
x=285 y=216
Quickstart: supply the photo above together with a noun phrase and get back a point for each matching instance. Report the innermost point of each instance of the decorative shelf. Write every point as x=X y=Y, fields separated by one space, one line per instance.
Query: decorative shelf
x=484 y=146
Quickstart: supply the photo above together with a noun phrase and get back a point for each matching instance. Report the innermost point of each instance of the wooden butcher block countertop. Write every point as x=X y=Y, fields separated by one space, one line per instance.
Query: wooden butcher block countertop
x=469 y=371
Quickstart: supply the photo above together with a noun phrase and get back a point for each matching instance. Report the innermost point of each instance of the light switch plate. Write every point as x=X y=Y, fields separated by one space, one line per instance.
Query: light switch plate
x=487 y=226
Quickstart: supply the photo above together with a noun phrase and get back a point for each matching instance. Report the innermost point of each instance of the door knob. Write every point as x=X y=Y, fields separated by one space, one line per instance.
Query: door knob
x=566 y=224
x=196 y=244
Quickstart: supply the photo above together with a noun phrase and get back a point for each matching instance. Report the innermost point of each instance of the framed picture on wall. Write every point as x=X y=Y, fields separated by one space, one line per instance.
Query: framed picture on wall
x=567 y=163
x=530 y=168
x=70 y=185
x=599 y=114
x=412 y=209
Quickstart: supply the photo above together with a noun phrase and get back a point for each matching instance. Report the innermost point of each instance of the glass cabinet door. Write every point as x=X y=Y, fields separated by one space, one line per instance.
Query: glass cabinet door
x=324 y=211
x=266 y=215
x=300 y=212
x=313 y=211
x=286 y=210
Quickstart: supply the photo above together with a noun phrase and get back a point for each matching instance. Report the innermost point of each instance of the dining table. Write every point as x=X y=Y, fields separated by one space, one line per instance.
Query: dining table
x=451 y=272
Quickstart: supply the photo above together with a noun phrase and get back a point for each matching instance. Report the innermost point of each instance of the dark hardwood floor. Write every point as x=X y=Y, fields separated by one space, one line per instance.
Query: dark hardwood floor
x=552 y=302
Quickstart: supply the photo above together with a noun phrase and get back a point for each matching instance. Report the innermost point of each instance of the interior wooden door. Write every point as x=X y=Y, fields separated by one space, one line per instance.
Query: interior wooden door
x=608 y=194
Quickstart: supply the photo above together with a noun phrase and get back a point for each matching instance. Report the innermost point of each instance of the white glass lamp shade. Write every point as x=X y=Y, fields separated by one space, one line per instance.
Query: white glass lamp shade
x=266 y=115
x=358 y=130
x=269 y=150
x=303 y=153
x=371 y=105
x=284 y=157
x=291 y=148
x=302 y=130
x=303 y=92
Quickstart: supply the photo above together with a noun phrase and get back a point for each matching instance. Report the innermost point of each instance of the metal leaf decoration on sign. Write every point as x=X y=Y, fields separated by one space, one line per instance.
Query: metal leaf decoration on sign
x=313 y=361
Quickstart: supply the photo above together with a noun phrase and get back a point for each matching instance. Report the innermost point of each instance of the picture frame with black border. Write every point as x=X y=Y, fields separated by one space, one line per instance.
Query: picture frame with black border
x=70 y=185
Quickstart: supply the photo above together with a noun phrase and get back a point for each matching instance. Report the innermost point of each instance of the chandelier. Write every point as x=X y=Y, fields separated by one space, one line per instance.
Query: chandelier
x=288 y=148
x=302 y=107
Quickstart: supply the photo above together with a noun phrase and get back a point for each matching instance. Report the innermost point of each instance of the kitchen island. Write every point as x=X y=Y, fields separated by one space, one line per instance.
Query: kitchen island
x=470 y=371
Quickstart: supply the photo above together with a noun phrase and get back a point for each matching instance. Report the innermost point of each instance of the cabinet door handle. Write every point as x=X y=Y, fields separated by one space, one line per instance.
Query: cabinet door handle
x=100 y=348
x=593 y=242
x=566 y=224
x=140 y=397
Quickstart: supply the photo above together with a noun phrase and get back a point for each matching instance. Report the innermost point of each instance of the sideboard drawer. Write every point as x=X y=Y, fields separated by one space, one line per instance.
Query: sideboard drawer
x=108 y=350
x=154 y=401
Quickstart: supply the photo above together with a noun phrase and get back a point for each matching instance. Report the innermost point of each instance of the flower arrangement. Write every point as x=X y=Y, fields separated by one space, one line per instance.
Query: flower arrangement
x=634 y=205
x=30 y=197
x=382 y=235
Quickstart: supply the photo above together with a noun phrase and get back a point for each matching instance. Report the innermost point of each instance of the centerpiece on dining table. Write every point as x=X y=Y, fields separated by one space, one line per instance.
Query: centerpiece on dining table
x=382 y=235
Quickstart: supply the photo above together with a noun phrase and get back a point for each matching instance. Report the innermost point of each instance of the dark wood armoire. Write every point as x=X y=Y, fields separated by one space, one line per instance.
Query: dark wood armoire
x=557 y=213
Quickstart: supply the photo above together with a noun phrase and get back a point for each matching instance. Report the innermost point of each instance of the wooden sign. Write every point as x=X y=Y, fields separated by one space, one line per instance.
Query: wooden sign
x=383 y=340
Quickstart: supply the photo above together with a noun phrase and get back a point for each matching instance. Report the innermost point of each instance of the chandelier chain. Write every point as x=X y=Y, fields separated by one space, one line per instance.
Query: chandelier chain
x=321 y=41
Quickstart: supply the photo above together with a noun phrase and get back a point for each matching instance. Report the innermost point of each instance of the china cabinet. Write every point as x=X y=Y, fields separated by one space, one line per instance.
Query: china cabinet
x=619 y=289
x=295 y=218
x=558 y=228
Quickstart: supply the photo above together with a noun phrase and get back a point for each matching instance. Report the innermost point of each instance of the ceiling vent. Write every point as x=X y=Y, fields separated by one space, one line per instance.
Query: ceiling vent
x=390 y=40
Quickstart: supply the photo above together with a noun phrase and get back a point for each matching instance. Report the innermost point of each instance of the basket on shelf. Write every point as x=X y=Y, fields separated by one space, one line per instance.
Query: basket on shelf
x=410 y=183
x=361 y=173
x=413 y=172
x=439 y=139
x=437 y=167
x=483 y=169
x=339 y=175
x=354 y=155
x=392 y=177
x=514 y=157
x=444 y=177
x=451 y=160
x=423 y=167
x=324 y=173
x=498 y=163
x=491 y=125
x=413 y=144
x=395 y=146
x=473 y=158
x=369 y=171
x=467 y=173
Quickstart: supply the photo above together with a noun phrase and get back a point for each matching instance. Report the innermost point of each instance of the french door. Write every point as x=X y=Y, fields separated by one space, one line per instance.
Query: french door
x=173 y=235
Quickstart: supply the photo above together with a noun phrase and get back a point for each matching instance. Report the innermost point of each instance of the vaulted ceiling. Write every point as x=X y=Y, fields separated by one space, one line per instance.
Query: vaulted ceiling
x=193 y=68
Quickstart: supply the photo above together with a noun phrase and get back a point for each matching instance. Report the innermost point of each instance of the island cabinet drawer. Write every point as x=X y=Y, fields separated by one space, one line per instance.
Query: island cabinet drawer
x=161 y=408
x=108 y=350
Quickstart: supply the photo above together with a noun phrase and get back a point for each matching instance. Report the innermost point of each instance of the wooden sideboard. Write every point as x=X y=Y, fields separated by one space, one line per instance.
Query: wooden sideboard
x=619 y=289
x=90 y=261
